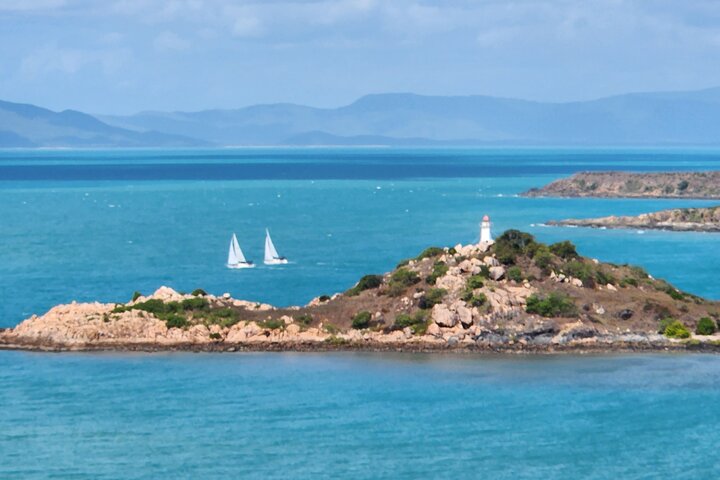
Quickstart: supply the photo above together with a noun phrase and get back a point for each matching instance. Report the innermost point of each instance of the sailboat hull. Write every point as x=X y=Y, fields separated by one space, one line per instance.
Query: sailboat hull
x=236 y=266
x=276 y=261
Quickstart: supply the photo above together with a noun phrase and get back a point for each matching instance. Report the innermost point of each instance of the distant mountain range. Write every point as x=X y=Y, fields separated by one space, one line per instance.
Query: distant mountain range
x=665 y=118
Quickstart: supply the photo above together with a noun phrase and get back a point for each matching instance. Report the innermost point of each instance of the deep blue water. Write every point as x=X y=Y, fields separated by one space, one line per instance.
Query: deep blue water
x=90 y=416
x=89 y=225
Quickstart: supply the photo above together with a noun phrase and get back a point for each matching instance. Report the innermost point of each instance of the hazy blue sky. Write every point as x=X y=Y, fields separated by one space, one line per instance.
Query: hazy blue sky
x=109 y=56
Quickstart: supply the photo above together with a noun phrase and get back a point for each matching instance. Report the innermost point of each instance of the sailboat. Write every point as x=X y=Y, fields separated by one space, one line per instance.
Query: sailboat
x=271 y=255
x=236 y=259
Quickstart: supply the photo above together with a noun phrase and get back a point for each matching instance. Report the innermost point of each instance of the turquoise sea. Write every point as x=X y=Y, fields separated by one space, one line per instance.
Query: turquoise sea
x=98 y=225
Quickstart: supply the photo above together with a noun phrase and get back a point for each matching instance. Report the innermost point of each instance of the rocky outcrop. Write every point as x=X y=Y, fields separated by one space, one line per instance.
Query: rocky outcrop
x=677 y=219
x=447 y=299
x=634 y=185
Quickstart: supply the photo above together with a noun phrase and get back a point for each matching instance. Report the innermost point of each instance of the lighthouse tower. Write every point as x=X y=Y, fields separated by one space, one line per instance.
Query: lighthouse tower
x=485 y=236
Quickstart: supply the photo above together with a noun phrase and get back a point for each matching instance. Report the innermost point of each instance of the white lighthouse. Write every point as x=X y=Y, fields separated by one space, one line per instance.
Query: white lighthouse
x=485 y=235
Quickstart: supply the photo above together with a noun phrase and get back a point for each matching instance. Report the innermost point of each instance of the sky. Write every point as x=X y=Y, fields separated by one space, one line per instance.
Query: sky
x=125 y=56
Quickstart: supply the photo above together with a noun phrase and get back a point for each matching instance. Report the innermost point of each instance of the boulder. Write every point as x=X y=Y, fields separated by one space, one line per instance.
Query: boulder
x=496 y=273
x=442 y=316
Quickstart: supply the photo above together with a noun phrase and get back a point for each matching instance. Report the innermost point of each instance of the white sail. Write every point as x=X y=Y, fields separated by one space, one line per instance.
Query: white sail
x=270 y=253
x=235 y=254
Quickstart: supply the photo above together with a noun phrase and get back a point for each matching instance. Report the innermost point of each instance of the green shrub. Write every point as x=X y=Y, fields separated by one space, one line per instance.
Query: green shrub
x=674 y=293
x=432 y=298
x=705 y=326
x=475 y=281
x=215 y=336
x=361 y=320
x=439 y=269
x=543 y=259
x=136 y=295
x=272 y=324
x=400 y=280
x=580 y=270
x=564 y=250
x=403 y=263
x=676 y=330
x=304 y=320
x=176 y=321
x=683 y=185
x=430 y=252
x=197 y=303
x=511 y=244
x=474 y=299
x=418 y=322
x=552 y=305
x=324 y=298
x=604 y=278
x=367 y=282
x=331 y=328
x=198 y=292
x=628 y=281
x=515 y=274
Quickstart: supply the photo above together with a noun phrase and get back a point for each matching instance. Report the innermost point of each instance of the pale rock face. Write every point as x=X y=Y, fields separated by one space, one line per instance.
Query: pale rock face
x=599 y=309
x=491 y=262
x=576 y=282
x=287 y=320
x=451 y=283
x=443 y=317
x=496 y=273
x=464 y=314
x=433 y=329
x=611 y=287
x=293 y=329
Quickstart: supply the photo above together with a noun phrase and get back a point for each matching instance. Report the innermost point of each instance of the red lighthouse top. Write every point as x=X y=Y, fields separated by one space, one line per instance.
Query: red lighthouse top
x=486 y=218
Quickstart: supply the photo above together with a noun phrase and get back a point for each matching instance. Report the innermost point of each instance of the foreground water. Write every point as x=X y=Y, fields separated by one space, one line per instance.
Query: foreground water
x=88 y=416
x=98 y=225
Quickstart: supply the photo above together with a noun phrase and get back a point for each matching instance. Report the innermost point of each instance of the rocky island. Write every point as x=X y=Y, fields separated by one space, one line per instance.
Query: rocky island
x=676 y=219
x=633 y=185
x=513 y=295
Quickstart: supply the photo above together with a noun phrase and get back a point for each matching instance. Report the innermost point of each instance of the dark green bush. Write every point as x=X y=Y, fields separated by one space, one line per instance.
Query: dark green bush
x=136 y=295
x=176 y=321
x=198 y=292
x=705 y=326
x=552 y=305
x=430 y=252
x=604 y=278
x=324 y=298
x=580 y=270
x=215 y=336
x=628 y=281
x=474 y=299
x=439 y=269
x=400 y=280
x=564 y=250
x=513 y=243
x=361 y=320
x=475 y=281
x=543 y=258
x=367 y=282
x=515 y=274
x=676 y=330
x=432 y=298
x=197 y=303
x=272 y=324
x=418 y=322
x=304 y=320
x=683 y=185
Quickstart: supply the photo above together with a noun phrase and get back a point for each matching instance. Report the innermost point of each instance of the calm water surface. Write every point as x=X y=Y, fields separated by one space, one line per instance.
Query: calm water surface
x=311 y=416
